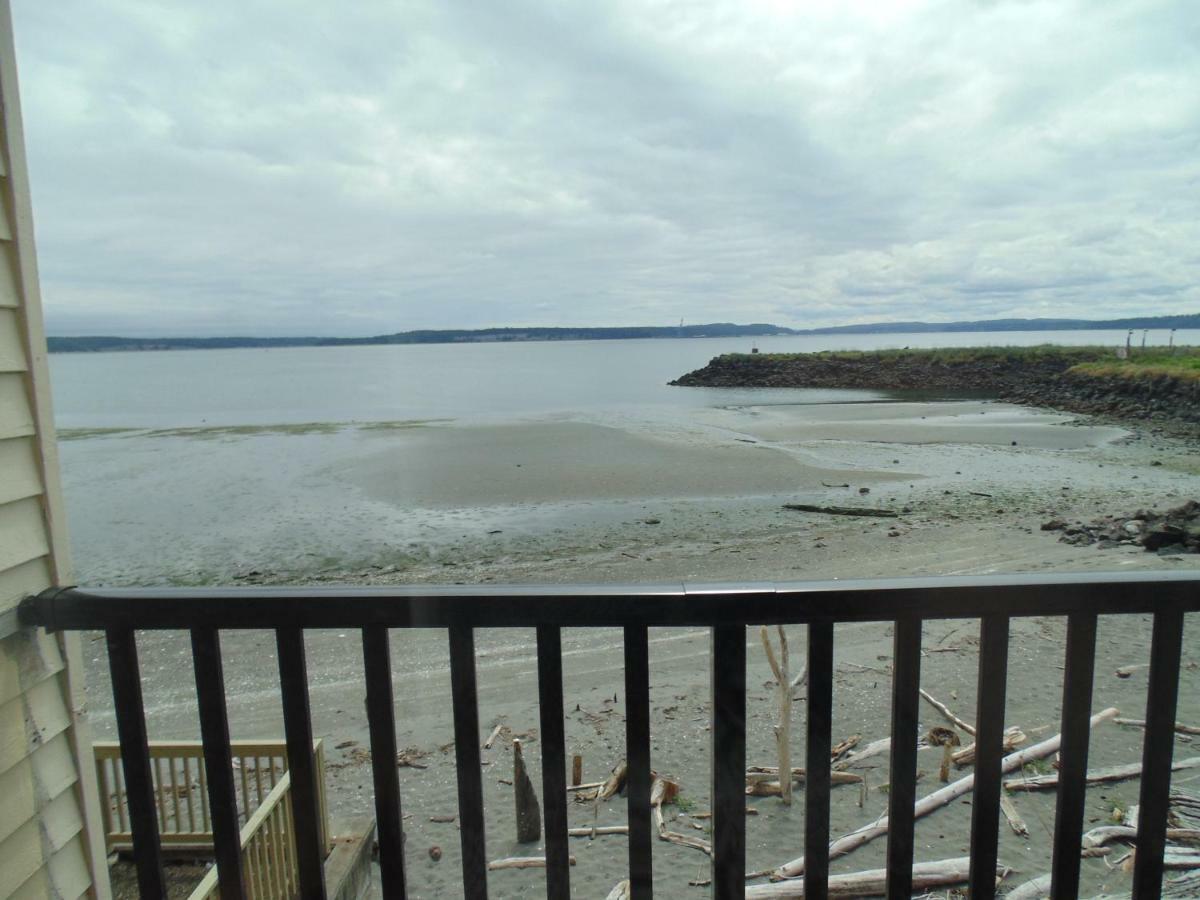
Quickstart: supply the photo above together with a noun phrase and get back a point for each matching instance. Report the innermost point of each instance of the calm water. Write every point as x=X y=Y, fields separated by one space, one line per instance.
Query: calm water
x=460 y=381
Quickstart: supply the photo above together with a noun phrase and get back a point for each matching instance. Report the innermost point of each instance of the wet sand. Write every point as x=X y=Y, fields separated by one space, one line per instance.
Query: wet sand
x=974 y=503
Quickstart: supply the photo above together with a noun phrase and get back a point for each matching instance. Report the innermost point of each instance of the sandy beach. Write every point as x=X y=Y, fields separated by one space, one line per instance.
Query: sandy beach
x=542 y=502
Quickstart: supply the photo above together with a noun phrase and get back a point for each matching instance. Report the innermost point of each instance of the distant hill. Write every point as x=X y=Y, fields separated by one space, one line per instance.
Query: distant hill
x=103 y=343
x=96 y=344
x=1187 y=321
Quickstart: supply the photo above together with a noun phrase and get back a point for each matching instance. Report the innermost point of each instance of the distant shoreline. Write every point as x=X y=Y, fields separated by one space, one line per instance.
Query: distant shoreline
x=113 y=343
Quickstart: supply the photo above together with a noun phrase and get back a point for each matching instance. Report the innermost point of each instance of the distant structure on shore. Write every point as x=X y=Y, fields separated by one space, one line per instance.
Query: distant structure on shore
x=106 y=343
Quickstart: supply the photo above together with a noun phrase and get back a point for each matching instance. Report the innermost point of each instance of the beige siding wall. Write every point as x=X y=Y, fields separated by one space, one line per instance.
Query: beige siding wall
x=47 y=782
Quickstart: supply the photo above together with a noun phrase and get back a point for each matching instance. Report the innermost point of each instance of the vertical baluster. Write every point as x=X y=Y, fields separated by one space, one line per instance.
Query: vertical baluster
x=218 y=761
x=118 y=771
x=205 y=813
x=297 y=723
x=637 y=754
x=1157 y=751
x=258 y=783
x=465 y=700
x=902 y=791
x=377 y=668
x=819 y=743
x=991 y=691
x=159 y=792
x=554 y=762
x=729 y=761
x=105 y=790
x=1072 y=772
x=135 y=760
x=191 y=805
x=178 y=819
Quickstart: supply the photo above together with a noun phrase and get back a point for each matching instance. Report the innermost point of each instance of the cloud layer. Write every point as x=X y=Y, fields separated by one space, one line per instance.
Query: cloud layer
x=284 y=168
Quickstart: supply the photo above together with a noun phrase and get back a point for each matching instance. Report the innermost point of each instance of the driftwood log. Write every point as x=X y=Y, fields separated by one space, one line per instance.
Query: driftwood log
x=598 y=830
x=937 y=799
x=1141 y=723
x=1015 y=822
x=521 y=862
x=663 y=791
x=529 y=813
x=783 y=729
x=843 y=510
x=1033 y=889
x=622 y=891
x=1014 y=737
x=873 y=882
x=1096 y=776
x=945 y=711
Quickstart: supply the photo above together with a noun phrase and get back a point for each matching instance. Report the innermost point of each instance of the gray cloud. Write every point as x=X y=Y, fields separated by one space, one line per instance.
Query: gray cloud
x=286 y=168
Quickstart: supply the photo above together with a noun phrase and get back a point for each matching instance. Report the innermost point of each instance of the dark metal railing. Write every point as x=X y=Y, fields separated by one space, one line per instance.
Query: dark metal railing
x=727 y=610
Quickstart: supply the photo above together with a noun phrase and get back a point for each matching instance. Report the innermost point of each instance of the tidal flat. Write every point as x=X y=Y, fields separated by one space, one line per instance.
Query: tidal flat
x=605 y=499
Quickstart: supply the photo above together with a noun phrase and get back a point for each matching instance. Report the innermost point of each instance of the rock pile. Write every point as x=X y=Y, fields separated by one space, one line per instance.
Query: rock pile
x=1166 y=533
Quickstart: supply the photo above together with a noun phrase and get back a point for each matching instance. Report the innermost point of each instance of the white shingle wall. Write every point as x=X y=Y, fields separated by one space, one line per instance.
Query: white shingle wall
x=46 y=795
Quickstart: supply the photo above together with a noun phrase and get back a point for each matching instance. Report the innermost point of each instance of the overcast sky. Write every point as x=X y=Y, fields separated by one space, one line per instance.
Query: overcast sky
x=359 y=168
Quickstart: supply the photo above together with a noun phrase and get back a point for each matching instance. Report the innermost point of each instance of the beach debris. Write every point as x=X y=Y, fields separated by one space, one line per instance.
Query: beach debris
x=873 y=882
x=443 y=820
x=783 y=728
x=435 y=852
x=764 y=781
x=1127 y=671
x=1015 y=822
x=842 y=510
x=827 y=484
x=1033 y=889
x=947 y=739
x=945 y=711
x=1014 y=737
x=408 y=758
x=491 y=739
x=522 y=862
x=938 y=799
x=1175 y=531
x=875 y=748
x=622 y=891
x=664 y=791
x=841 y=748
x=651 y=521
x=529 y=812
x=595 y=830
x=1096 y=776
x=1140 y=723
x=576 y=770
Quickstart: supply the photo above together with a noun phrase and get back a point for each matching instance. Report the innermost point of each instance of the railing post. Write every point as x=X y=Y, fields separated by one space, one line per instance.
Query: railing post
x=218 y=761
x=819 y=741
x=1072 y=772
x=297 y=725
x=465 y=701
x=554 y=762
x=991 y=691
x=135 y=761
x=381 y=720
x=1162 y=694
x=637 y=754
x=729 y=761
x=902 y=791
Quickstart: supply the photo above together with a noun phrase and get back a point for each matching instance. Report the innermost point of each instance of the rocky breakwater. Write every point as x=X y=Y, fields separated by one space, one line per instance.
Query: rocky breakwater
x=1076 y=379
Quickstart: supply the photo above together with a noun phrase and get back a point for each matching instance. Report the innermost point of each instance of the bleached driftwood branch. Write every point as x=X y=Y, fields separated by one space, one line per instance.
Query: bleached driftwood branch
x=1096 y=776
x=937 y=799
x=945 y=711
x=872 y=882
x=521 y=862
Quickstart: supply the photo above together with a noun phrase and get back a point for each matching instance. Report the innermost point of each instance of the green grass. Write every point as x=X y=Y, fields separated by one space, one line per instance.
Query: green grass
x=1183 y=363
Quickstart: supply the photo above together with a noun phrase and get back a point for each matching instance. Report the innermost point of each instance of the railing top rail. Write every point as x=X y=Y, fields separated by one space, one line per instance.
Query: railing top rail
x=439 y=606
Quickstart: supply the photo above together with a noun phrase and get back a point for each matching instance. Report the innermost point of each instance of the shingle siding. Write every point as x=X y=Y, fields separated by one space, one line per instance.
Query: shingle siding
x=47 y=779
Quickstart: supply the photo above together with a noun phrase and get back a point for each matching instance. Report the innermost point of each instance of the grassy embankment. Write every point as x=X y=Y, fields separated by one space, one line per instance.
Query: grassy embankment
x=1181 y=362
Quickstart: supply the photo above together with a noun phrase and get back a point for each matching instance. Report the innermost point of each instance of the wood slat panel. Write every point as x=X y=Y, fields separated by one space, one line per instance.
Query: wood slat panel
x=1073 y=757
x=991 y=690
x=22 y=581
x=637 y=753
x=1162 y=692
x=9 y=296
x=22 y=532
x=30 y=785
x=27 y=658
x=16 y=418
x=729 y=762
x=31 y=720
x=902 y=792
x=12 y=350
x=22 y=476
